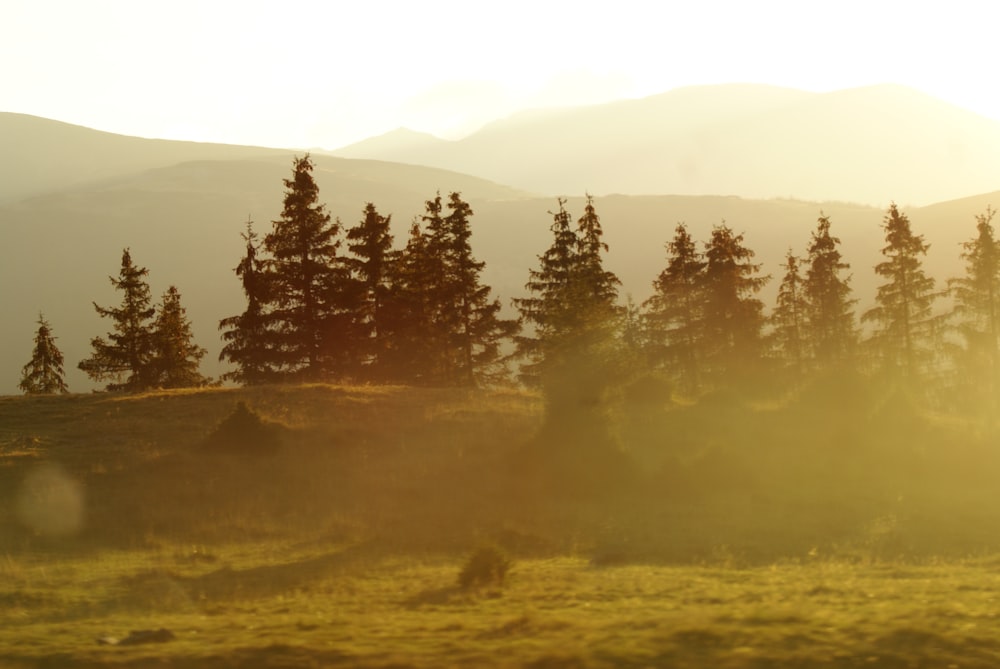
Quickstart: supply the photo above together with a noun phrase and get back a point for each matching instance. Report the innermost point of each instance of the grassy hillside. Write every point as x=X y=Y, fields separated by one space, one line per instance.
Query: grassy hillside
x=328 y=526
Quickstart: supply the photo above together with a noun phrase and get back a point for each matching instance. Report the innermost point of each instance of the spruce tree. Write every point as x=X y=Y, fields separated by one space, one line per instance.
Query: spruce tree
x=124 y=358
x=673 y=315
x=977 y=310
x=475 y=331
x=407 y=319
x=830 y=326
x=904 y=326
x=176 y=357
x=788 y=320
x=548 y=309
x=371 y=243
x=733 y=317
x=43 y=375
x=246 y=335
x=574 y=315
x=303 y=278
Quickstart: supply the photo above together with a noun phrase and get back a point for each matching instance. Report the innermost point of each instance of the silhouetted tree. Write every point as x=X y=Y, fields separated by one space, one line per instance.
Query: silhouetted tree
x=574 y=315
x=673 y=315
x=408 y=316
x=733 y=318
x=548 y=309
x=371 y=243
x=246 y=335
x=43 y=375
x=474 y=329
x=977 y=309
x=176 y=357
x=124 y=358
x=904 y=325
x=830 y=327
x=303 y=275
x=788 y=320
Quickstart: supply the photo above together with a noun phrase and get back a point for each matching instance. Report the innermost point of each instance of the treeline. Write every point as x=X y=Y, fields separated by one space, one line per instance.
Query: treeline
x=329 y=303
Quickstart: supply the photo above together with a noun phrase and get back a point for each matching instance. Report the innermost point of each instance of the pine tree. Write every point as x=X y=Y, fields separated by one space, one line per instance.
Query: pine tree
x=788 y=319
x=673 y=315
x=303 y=276
x=408 y=315
x=176 y=358
x=371 y=243
x=246 y=335
x=124 y=359
x=733 y=318
x=904 y=326
x=475 y=330
x=830 y=328
x=977 y=309
x=548 y=308
x=43 y=375
x=574 y=314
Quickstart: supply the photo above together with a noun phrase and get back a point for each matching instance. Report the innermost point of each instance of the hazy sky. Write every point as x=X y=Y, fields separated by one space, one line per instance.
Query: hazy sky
x=313 y=73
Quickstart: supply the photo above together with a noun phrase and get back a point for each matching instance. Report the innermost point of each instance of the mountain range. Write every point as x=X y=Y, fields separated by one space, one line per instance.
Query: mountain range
x=72 y=198
x=867 y=145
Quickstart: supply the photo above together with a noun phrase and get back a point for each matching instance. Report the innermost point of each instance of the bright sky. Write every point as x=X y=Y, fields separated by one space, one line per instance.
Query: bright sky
x=324 y=73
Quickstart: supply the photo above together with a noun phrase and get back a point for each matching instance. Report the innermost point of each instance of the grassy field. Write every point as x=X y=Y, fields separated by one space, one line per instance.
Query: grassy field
x=333 y=533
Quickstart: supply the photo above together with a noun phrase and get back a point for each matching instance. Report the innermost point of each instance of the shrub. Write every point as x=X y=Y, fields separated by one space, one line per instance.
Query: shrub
x=243 y=431
x=488 y=565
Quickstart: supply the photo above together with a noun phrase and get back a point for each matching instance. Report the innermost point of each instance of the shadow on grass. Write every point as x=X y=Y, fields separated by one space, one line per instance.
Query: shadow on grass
x=164 y=589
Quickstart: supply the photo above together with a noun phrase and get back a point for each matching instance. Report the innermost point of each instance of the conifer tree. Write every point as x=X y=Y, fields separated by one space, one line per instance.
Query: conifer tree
x=548 y=308
x=977 y=309
x=830 y=328
x=43 y=375
x=303 y=277
x=904 y=325
x=176 y=357
x=408 y=318
x=246 y=335
x=124 y=358
x=673 y=315
x=733 y=317
x=475 y=329
x=574 y=313
x=371 y=243
x=788 y=319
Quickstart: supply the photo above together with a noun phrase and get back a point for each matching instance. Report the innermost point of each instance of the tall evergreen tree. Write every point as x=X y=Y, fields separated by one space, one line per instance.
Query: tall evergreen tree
x=408 y=316
x=734 y=318
x=43 y=375
x=574 y=314
x=830 y=328
x=788 y=320
x=475 y=329
x=977 y=309
x=176 y=357
x=124 y=358
x=304 y=275
x=246 y=335
x=548 y=308
x=904 y=326
x=371 y=243
x=673 y=315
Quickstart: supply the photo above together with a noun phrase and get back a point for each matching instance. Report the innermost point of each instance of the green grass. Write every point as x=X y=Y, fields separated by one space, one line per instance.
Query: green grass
x=742 y=537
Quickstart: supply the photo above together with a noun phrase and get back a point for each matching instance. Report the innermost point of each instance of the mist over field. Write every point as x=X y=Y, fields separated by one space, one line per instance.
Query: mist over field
x=750 y=421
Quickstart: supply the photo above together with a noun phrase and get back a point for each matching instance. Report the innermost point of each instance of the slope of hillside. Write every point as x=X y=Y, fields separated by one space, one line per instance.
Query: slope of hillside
x=41 y=155
x=865 y=145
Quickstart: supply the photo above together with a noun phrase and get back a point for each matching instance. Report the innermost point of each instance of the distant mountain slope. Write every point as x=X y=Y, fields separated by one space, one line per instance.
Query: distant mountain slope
x=38 y=155
x=868 y=145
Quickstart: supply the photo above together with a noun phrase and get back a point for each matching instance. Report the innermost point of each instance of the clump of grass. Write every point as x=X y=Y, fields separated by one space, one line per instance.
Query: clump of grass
x=243 y=431
x=488 y=565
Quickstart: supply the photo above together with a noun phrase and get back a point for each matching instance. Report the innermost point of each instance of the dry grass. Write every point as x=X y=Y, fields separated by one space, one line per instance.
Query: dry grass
x=747 y=536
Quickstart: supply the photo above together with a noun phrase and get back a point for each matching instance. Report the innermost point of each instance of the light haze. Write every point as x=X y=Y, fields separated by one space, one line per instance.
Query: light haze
x=302 y=74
